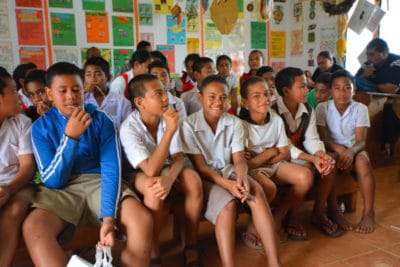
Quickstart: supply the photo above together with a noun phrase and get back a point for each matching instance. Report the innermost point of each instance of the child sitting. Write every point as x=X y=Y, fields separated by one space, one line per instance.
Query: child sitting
x=268 y=74
x=343 y=124
x=320 y=93
x=78 y=154
x=151 y=142
x=213 y=140
x=256 y=60
x=35 y=87
x=96 y=73
x=224 y=67
x=17 y=167
x=187 y=81
x=19 y=75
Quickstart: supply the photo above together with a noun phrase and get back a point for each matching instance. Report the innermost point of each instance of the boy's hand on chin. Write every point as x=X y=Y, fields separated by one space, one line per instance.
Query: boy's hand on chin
x=171 y=118
x=77 y=124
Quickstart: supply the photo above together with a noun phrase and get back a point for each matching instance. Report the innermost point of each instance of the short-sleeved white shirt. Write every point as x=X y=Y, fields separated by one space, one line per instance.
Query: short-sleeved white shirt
x=138 y=143
x=177 y=104
x=340 y=129
x=118 y=85
x=191 y=102
x=117 y=106
x=232 y=81
x=270 y=134
x=216 y=149
x=15 y=136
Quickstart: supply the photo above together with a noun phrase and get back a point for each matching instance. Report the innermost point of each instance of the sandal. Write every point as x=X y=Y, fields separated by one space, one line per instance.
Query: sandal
x=296 y=231
x=327 y=227
x=252 y=240
x=155 y=261
x=194 y=263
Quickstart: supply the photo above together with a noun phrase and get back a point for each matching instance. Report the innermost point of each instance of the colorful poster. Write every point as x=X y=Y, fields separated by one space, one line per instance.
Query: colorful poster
x=162 y=6
x=240 y=9
x=123 y=31
x=122 y=5
x=4 y=23
x=192 y=16
x=278 y=44
x=169 y=52
x=36 y=55
x=105 y=53
x=296 y=43
x=61 y=3
x=176 y=32
x=213 y=36
x=29 y=3
x=97 y=27
x=258 y=35
x=6 y=56
x=121 y=59
x=63 y=29
x=30 y=27
x=70 y=55
x=97 y=5
x=145 y=14
x=147 y=36
x=192 y=45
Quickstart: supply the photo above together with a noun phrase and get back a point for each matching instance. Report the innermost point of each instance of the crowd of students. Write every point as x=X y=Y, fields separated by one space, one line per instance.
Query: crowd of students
x=113 y=152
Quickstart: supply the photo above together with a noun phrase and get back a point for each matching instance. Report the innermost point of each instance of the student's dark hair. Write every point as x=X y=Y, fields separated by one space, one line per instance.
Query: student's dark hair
x=157 y=55
x=99 y=62
x=328 y=55
x=61 y=68
x=4 y=76
x=35 y=76
x=379 y=44
x=264 y=69
x=257 y=51
x=20 y=72
x=211 y=79
x=286 y=77
x=158 y=64
x=137 y=86
x=341 y=74
x=191 y=57
x=324 y=78
x=244 y=89
x=142 y=45
x=200 y=63
x=224 y=57
x=140 y=56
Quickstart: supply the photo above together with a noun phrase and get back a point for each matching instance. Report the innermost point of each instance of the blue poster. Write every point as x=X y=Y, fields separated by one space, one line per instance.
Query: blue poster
x=176 y=29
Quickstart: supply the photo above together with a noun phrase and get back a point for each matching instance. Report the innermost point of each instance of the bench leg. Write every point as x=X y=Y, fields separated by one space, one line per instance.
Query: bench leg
x=349 y=200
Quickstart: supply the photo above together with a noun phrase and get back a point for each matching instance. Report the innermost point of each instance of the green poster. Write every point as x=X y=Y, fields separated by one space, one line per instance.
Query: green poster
x=123 y=31
x=121 y=60
x=97 y=5
x=122 y=5
x=145 y=14
x=61 y=3
x=258 y=35
x=63 y=29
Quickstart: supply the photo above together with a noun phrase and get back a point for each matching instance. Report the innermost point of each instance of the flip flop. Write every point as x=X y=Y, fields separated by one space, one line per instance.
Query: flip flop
x=252 y=240
x=327 y=227
x=296 y=232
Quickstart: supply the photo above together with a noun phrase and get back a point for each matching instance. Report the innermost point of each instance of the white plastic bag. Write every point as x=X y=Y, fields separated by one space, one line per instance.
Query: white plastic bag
x=103 y=259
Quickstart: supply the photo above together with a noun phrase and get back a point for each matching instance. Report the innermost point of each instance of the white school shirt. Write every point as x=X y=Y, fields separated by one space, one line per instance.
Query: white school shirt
x=15 y=136
x=118 y=85
x=216 y=149
x=117 y=106
x=262 y=137
x=341 y=129
x=191 y=102
x=312 y=142
x=27 y=102
x=232 y=81
x=138 y=143
x=177 y=104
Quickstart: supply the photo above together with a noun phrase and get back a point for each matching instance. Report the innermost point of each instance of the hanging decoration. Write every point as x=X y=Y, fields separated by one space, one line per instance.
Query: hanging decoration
x=333 y=8
x=224 y=14
x=265 y=9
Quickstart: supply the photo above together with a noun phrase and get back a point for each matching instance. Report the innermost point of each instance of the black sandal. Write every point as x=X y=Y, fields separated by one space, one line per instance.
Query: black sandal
x=195 y=263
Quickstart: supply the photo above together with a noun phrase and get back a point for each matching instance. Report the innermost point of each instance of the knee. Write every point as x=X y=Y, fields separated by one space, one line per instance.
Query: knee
x=361 y=161
x=192 y=183
x=305 y=179
x=15 y=211
x=230 y=209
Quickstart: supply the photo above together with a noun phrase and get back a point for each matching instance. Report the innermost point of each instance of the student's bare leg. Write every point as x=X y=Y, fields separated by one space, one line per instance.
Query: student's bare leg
x=225 y=234
x=40 y=230
x=11 y=218
x=366 y=182
x=137 y=222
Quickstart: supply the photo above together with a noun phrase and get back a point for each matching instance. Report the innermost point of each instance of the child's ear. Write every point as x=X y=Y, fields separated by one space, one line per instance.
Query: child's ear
x=196 y=76
x=138 y=102
x=285 y=90
x=199 y=97
x=244 y=102
x=49 y=93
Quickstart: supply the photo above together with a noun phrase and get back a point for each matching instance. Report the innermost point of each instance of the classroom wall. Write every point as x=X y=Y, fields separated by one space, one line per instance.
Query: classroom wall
x=36 y=30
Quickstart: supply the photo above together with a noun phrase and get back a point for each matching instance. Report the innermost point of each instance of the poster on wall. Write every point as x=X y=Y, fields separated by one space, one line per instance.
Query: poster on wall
x=104 y=52
x=63 y=29
x=240 y=9
x=145 y=14
x=4 y=22
x=97 y=27
x=122 y=5
x=328 y=36
x=296 y=43
x=213 y=37
x=96 y=5
x=147 y=36
x=30 y=27
x=61 y=3
x=176 y=30
x=121 y=59
x=192 y=16
x=36 y=55
x=162 y=6
x=169 y=52
x=29 y=3
x=192 y=46
x=64 y=54
x=6 y=56
x=237 y=61
x=236 y=39
x=123 y=31
x=278 y=65
x=278 y=44
x=258 y=35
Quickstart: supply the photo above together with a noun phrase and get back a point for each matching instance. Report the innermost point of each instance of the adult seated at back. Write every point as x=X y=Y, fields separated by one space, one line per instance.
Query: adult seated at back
x=326 y=63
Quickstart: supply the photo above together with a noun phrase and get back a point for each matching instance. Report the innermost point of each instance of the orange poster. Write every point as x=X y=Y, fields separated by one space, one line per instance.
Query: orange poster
x=30 y=27
x=35 y=55
x=97 y=27
x=29 y=3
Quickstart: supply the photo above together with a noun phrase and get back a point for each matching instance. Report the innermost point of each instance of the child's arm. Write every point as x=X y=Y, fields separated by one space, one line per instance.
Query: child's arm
x=241 y=168
x=262 y=158
x=346 y=157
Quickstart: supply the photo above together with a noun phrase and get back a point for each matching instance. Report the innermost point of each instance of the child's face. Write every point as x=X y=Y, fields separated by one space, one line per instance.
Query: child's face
x=162 y=75
x=141 y=68
x=207 y=70
x=258 y=98
x=189 y=68
x=9 y=100
x=255 y=61
x=155 y=101
x=324 y=64
x=269 y=77
x=37 y=93
x=213 y=99
x=66 y=93
x=95 y=77
x=224 y=68
x=321 y=92
x=342 y=91
x=298 y=92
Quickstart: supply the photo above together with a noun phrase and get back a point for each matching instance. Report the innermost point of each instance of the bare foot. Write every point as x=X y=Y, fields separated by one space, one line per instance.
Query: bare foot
x=338 y=218
x=366 y=224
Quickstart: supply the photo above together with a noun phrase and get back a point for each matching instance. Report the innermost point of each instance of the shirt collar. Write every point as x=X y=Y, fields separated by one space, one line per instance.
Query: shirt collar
x=283 y=109
x=200 y=123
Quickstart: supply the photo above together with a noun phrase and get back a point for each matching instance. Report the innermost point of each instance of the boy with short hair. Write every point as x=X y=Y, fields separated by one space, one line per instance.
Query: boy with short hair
x=152 y=144
x=78 y=154
x=213 y=140
x=17 y=167
x=343 y=124
x=96 y=76
x=35 y=87
x=19 y=75
x=320 y=93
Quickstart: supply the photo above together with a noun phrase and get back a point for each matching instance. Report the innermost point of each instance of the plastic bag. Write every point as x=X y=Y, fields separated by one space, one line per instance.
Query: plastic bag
x=103 y=259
